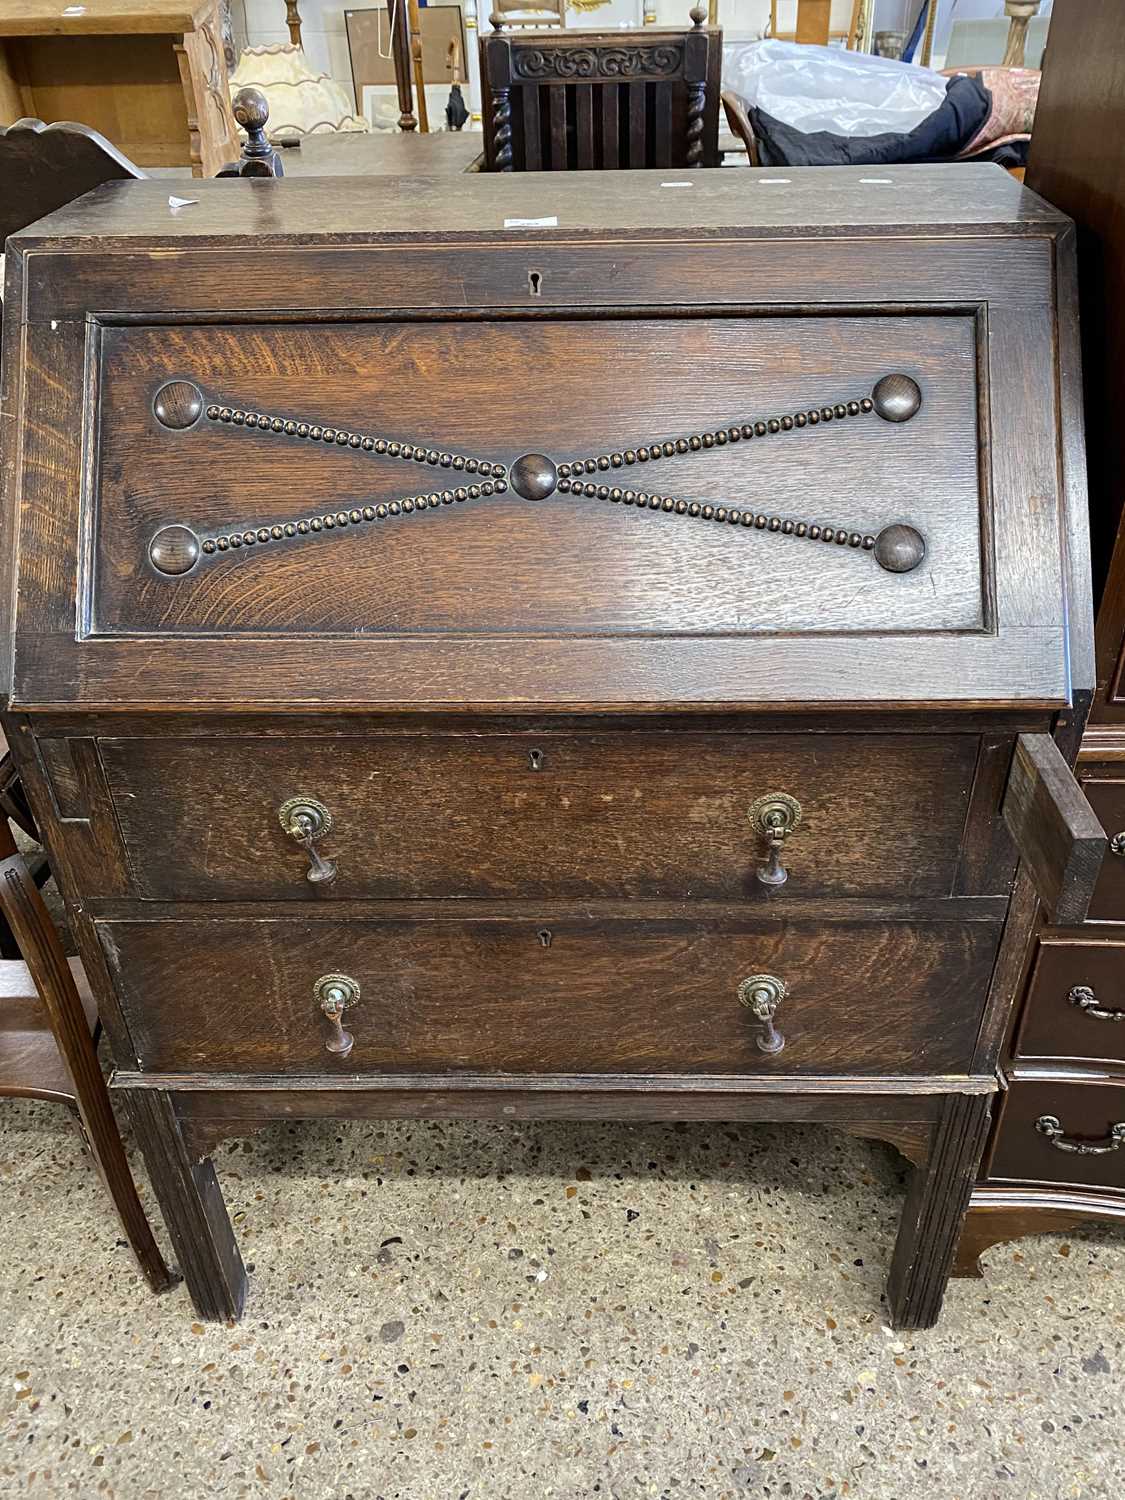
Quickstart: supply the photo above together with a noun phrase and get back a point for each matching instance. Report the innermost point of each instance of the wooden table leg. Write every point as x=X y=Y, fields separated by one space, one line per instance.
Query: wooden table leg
x=934 y=1211
x=193 y=1208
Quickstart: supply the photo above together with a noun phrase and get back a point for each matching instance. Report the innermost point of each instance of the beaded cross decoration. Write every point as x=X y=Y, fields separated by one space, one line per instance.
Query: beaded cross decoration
x=179 y=404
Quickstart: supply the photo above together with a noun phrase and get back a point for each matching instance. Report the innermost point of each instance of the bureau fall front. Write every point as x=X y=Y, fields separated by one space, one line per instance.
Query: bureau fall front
x=615 y=670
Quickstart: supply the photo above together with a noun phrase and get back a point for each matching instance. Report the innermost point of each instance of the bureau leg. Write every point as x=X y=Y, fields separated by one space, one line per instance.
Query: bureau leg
x=934 y=1212
x=193 y=1208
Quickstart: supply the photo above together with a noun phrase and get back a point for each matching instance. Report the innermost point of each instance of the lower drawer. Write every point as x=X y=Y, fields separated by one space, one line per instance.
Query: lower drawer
x=574 y=995
x=1042 y=1120
x=1075 y=1001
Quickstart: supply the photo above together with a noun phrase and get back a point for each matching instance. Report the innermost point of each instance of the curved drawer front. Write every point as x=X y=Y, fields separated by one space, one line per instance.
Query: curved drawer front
x=1075 y=1001
x=552 y=996
x=1052 y=1131
x=663 y=816
x=1107 y=797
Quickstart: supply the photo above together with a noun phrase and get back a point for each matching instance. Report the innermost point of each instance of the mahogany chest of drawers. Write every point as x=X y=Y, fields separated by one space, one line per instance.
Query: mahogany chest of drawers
x=603 y=669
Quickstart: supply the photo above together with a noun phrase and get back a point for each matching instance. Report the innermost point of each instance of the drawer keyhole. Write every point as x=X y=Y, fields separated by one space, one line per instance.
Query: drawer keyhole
x=545 y=936
x=536 y=759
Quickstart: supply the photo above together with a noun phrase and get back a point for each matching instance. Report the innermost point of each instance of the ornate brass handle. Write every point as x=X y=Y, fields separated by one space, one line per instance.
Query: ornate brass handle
x=334 y=994
x=774 y=816
x=1117 y=844
x=762 y=994
x=1049 y=1126
x=1087 y=1002
x=306 y=820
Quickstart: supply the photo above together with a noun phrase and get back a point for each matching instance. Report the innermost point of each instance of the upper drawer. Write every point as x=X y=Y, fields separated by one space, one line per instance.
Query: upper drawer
x=1075 y=1003
x=639 y=815
x=1107 y=798
x=604 y=509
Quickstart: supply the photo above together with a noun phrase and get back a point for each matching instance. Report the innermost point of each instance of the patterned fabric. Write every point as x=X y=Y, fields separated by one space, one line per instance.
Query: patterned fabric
x=1015 y=93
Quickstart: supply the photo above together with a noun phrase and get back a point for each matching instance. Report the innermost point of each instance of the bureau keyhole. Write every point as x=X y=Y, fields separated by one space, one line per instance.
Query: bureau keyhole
x=536 y=759
x=545 y=936
x=535 y=283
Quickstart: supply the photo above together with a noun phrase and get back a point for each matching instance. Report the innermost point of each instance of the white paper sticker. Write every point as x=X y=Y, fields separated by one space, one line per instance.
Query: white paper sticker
x=677 y=184
x=881 y=181
x=174 y=203
x=767 y=181
x=75 y=10
x=548 y=223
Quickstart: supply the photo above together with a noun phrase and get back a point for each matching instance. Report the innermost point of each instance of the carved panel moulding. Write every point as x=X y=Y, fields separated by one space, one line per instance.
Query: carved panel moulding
x=658 y=61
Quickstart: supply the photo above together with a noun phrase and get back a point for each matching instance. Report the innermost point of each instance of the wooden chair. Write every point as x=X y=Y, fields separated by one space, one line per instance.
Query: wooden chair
x=601 y=100
x=738 y=122
x=48 y=1030
x=43 y=167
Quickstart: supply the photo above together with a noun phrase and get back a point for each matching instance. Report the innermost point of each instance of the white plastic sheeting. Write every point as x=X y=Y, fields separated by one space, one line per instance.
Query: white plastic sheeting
x=827 y=88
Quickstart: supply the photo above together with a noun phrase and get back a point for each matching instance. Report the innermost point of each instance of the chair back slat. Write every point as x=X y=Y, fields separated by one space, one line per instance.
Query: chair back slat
x=557 y=113
x=601 y=100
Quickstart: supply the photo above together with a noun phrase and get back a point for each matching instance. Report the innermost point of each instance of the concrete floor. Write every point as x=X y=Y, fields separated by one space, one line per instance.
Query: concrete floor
x=477 y=1312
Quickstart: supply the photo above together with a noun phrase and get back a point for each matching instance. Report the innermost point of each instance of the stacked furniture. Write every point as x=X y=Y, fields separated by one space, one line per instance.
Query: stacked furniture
x=638 y=717
x=150 y=75
x=1057 y=1157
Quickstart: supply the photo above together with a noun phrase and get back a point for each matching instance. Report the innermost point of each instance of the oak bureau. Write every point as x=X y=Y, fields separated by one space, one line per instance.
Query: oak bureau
x=608 y=668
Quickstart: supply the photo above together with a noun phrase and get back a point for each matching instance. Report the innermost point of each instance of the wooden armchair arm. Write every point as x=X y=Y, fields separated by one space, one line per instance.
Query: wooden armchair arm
x=734 y=107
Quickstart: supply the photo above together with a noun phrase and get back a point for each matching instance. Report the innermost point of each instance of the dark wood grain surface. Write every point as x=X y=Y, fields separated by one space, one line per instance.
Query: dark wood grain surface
x=579 y=995
x=1071 y=978
x=916 y=197
x=1087 y=1110
x=572 y=565
x=652 y=816
x=1057 y=832
x=1106 y=795
x=561 y=934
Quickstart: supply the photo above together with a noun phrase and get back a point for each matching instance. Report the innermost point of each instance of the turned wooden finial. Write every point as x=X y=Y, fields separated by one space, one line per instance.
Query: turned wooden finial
x=497 y=21
x=251 y=109
x=698 y=16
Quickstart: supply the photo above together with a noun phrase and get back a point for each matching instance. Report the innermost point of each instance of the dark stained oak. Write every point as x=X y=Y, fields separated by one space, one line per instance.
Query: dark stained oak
x=1055 y=829
x=654 y=816
x=555 y=101
x=1075 y=1005
x=1105 y=791
x=513 y=731
x=1087 y=1112
x=47 y=1047
x=1074 y=1050
x=552 y=995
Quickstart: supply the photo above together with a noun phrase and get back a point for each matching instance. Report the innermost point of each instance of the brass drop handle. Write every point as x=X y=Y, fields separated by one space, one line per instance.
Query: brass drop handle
x=762 y=994
x=334 y=994
x=1049 y=1126
x=774 y=817
x=1087 y=1002
x=306 y=820
x=1117 y=844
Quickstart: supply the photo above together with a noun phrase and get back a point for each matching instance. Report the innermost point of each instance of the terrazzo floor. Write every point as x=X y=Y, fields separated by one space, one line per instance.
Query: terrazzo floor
x=477 y=1312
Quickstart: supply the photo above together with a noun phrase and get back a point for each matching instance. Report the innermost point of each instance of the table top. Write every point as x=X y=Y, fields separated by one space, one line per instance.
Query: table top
x=384 y=153
x=100 y=17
